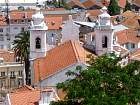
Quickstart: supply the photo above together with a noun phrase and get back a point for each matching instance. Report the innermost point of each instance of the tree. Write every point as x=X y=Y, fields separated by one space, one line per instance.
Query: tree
x=113 y=7
x=128 y=6
x=21 y=49
x=105 y=82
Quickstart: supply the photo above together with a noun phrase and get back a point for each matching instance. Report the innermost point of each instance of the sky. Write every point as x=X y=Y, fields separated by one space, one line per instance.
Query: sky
x=21 y=1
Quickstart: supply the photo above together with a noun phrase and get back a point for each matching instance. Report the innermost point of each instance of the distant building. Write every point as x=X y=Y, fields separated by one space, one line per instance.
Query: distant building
x=27 y=95
x=11 y=72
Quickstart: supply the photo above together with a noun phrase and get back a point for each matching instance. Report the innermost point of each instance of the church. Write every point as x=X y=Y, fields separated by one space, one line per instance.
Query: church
x=49 y=62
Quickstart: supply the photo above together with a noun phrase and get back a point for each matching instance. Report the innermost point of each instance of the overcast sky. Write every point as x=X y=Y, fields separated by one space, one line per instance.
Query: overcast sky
x=22 y=1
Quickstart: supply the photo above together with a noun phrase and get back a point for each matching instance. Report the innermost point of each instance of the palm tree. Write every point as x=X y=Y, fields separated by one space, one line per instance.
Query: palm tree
x=21 y=49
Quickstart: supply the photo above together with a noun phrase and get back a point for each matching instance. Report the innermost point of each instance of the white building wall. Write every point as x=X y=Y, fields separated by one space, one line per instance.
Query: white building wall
x=37 y=53
x=98 y=41
x=12 y=31
x=70 y=31
x=60 y=76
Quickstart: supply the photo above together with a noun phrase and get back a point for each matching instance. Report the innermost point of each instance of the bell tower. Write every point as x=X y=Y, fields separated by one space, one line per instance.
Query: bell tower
x=38 y=30
x=104 y=33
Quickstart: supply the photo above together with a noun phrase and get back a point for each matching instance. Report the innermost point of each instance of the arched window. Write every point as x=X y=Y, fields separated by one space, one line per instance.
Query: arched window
x=104 y=42
x=38 y=43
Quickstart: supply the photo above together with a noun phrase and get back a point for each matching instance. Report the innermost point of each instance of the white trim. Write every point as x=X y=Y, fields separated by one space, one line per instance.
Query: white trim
x=8 y=98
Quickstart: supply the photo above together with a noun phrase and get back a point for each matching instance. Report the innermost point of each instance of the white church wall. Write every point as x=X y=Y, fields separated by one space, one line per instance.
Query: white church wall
x=57 y=36
x=70 y=31
x=60 y=76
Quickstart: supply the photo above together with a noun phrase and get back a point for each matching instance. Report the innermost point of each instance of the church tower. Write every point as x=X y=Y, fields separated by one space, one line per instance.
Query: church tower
x=38 y=30
x=104 y=33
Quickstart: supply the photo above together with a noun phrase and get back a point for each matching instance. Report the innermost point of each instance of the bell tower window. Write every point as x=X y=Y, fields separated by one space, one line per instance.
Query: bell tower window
x=104 y=42
x=38 y=43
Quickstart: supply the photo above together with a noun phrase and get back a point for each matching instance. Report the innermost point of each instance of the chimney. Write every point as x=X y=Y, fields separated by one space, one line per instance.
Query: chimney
x=47 y=96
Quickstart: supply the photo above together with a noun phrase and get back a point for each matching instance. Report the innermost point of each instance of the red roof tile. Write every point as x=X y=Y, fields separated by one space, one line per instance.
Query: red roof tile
x=120 y=49
x=89 y=3
x=26 y=97
x=73 y=3
x=132 y=22
x=135 y=55
x=23 y=88
x=8 y=56
x=127 y=36
x=53 y=23
x=58 y=58
x=122 y=3
x=2 y=21
x=95 y=12
x=136 y=2
x=128 y=14
x=21 y=14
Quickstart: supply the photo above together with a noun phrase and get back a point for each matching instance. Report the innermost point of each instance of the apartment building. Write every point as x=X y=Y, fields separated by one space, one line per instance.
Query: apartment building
x=11 y=72
x=19 y=21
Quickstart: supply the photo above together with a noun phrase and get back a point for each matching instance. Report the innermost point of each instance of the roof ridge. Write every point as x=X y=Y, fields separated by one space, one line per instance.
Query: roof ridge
x=75 y=50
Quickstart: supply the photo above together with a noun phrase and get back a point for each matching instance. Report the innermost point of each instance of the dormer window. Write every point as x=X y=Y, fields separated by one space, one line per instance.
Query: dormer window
x=38 y=43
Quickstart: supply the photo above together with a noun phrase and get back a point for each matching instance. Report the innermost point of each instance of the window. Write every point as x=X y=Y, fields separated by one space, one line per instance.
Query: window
x=8 y=37
x=132 y=45
x=12 y=74
x=1 y=46
x=15 y=21
x=22 y=29
x=7 y=29
x=20 y=73
x=104 y=42
x=2 y=74
x=15 y=28
x=1 y=37
x=22 y=21
x=29 y=20
x=38 y=43
x=1 y=29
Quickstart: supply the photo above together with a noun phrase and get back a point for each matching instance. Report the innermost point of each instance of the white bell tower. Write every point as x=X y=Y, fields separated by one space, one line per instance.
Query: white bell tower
x=104 y=33
x=38 y=36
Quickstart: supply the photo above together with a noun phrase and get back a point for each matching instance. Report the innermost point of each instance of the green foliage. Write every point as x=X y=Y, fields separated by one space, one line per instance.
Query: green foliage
x=128 y=6
x=58 y=4
x=21 y=49
x=22 y=44
x=113 y=8
x=105 y=82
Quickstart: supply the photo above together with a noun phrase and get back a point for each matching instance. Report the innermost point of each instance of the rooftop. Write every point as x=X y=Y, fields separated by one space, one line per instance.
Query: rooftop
x=59 y=58
x=127 y=36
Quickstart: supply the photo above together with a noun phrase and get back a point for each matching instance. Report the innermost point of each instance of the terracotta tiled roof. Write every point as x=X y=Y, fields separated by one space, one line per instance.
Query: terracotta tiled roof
x=26 y=97
x=55 y=9
x=74 y=3
x=21 y=14
x=106 y=2
x=126 y=36
x=53 y=22
x=132 y=22
x=8 y=56
x=2 y=21
x=23 y=88
x=135 y=55
x=122 y=3
x=128 y=14
x=89 y=3
x=120 y=49
x=95 y=12
x=136 y=2
x=59 y=58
